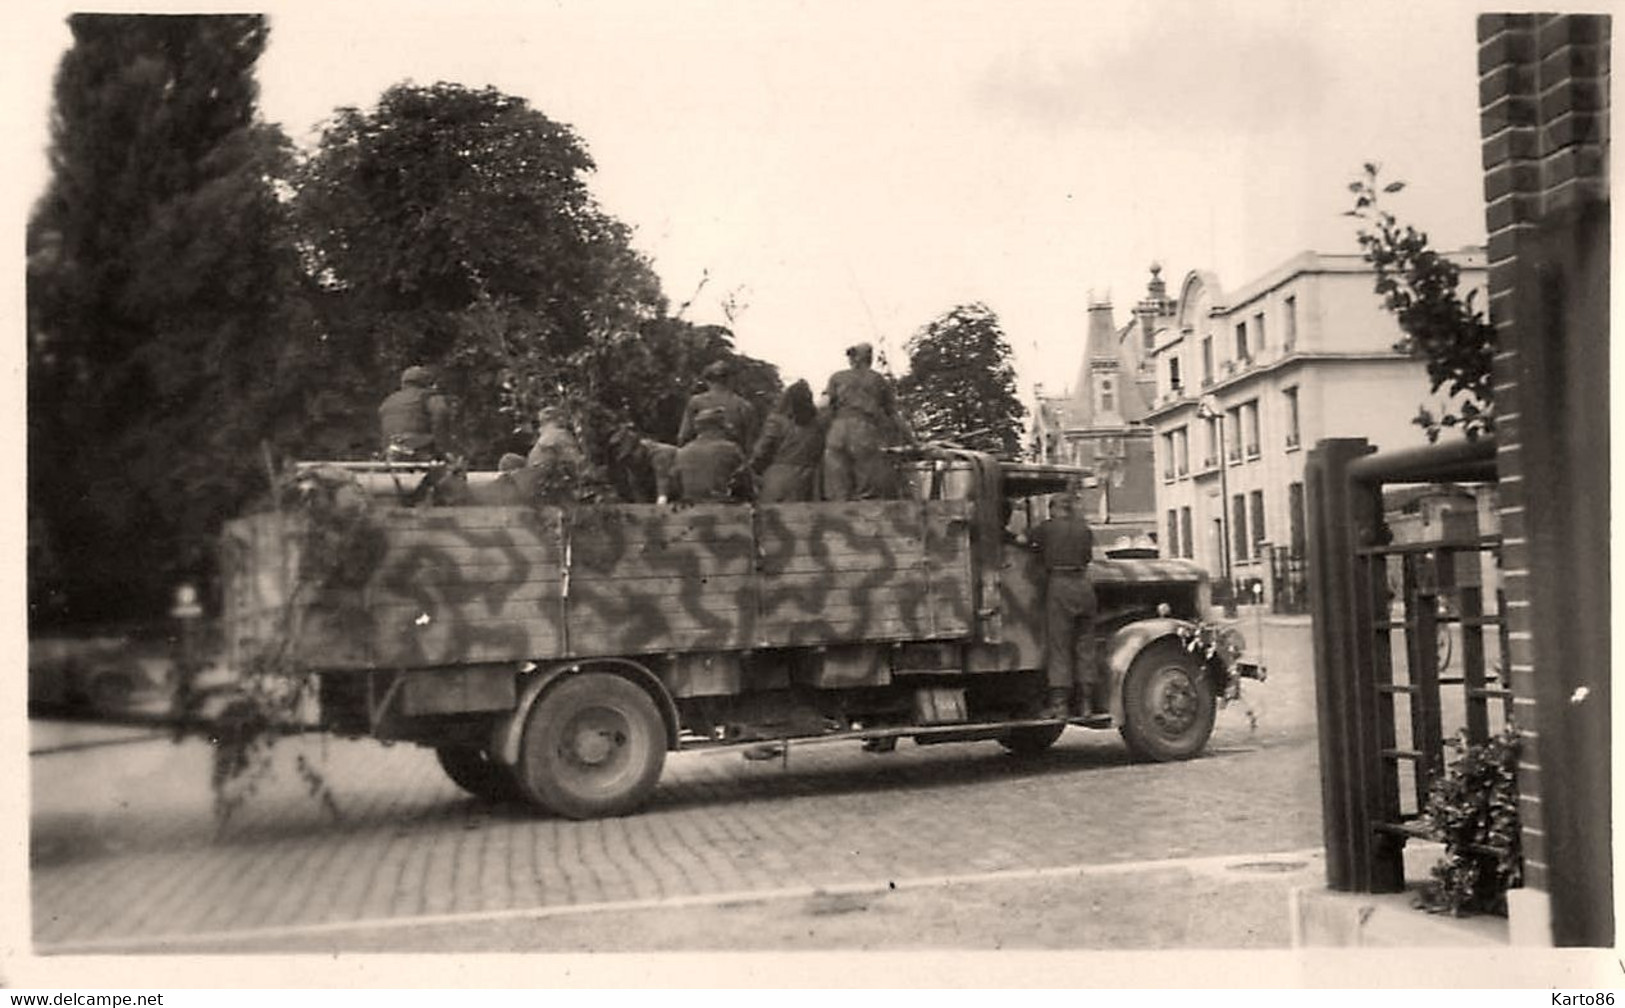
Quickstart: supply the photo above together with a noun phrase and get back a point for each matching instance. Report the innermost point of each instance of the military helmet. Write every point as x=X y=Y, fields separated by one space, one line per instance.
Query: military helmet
x=717 y=369
x=417 y=374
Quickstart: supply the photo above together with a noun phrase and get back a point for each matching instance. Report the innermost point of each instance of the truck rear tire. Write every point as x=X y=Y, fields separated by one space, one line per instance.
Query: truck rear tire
x=1168 y=704
x=1031 y=739
x=593 y=746
x=472 y=769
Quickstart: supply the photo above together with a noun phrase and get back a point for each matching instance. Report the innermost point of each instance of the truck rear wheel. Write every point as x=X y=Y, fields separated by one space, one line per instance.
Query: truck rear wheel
x=1168 y=704
x=1031 y=739
x=593 y=746
x=473 y=770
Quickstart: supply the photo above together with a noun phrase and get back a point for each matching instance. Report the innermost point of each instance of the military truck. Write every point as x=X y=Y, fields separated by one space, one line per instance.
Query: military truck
x=555 y=655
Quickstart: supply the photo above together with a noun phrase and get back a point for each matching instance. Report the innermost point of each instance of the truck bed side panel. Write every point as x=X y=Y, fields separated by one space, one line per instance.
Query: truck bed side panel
x=495 y=584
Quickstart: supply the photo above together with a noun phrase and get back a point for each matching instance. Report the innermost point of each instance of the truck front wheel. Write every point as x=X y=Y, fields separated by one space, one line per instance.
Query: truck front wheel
x=473 y=770
x=1168 y=704
x=593 y=746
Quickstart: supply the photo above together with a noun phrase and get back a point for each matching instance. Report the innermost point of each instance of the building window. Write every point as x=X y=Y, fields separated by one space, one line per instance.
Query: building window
x=1182 y=449
x=1249 y=414
x=1108 y=396
x=1258 y=522
x=1207 y=360
x=1211 y=459
x=1292 y=434
x=1173 y=374
x=1238 y=526
x=1185 y=531
x=1173 y=532
x=1242 y=353
x=1232 y=418
x=1168 y=457
x=1258 y=330
x=1291 y=322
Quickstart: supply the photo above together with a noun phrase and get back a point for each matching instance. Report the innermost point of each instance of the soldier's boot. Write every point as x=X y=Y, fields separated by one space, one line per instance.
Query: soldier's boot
x=1092 y=707
x=1057 y=703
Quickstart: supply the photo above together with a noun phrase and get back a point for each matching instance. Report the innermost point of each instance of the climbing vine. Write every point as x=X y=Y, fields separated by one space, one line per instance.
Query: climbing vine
x=1446 y=330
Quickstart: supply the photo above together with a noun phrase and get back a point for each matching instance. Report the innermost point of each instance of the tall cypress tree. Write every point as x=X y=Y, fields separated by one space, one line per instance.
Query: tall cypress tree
x=162 y=289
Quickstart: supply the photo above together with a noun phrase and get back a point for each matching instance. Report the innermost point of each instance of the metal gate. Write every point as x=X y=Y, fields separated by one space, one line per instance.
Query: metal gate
x=1388 y=694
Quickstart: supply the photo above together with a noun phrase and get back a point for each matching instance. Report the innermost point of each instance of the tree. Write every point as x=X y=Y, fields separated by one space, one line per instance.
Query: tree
x=454 y=227
x=1419 y=286
x=960 y=385
x=161 y=289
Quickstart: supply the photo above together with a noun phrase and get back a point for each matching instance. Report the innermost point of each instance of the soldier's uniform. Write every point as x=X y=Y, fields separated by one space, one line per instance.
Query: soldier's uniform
x=1066 y=544
x=787 y=456
x=415 y=419
x=709 y=467
x=738 y=419
x=863 y=420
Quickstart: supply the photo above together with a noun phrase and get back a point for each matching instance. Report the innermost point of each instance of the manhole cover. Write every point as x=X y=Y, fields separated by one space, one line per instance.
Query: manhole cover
x=1269 y=866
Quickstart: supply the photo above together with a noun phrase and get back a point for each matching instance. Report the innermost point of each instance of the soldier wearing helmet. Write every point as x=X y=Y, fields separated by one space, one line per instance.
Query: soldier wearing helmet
x=738 y=419
x=711 y=467
x=415 y=419
x=863 y=420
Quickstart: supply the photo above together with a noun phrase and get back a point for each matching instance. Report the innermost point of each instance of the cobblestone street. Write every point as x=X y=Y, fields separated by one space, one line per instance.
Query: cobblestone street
x=126 y=856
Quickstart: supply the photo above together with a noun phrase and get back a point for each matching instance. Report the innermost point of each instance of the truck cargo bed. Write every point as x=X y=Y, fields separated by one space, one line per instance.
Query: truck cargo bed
x=460 y=585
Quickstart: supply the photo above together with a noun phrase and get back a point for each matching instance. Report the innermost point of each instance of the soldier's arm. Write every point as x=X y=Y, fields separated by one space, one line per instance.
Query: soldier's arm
x=685 y=430
x=767 y=445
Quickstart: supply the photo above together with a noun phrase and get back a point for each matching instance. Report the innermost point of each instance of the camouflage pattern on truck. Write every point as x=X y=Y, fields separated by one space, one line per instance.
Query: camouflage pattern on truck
x=473 y=585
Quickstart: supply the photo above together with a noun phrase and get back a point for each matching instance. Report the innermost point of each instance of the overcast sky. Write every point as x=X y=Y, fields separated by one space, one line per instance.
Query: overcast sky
x=850 y=170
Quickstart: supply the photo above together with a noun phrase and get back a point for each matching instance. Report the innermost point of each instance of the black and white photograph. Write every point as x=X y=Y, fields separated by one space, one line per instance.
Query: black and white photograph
x=913 y=494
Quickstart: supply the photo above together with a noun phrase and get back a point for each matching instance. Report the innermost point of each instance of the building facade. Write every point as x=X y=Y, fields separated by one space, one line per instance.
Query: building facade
x=1099 y=423
x=1244 y=381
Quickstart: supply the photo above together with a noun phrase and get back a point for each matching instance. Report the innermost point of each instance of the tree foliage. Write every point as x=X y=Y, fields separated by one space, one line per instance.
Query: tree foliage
x=161 y=288
x=454 y=227
x=1419 y=286
x=961 y=386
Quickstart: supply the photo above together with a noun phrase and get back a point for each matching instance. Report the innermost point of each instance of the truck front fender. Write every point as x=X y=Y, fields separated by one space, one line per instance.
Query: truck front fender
x=508 y=731
x=1126 y=643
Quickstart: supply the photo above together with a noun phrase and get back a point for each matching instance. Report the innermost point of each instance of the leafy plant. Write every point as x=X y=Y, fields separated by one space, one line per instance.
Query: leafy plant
x=1419 y=286
x=961 y=386
x=1472 y=808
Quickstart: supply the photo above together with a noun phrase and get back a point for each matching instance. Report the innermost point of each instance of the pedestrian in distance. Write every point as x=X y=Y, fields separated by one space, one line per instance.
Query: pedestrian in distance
x=739 y=419
x=1066 y=544
x=415 y=419
x=711 y=467
x=863 y=421
x=791 y=448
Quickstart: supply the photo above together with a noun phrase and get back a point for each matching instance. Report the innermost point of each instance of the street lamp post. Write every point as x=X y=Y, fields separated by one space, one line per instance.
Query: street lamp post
x=1208 y=409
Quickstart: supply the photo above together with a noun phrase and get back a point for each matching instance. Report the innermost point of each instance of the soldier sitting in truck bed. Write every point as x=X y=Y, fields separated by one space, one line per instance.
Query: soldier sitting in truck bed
x=711 y=467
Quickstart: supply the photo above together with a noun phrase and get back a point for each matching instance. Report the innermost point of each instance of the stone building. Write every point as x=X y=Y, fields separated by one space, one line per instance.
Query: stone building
x=1243 y=381
x=1099 y=423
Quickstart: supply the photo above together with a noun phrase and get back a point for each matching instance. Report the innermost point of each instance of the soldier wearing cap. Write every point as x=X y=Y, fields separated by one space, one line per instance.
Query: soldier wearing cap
x=1066 y=543
x=415 y=419
x=863 y=420
x=710 y=467
x=739 y=420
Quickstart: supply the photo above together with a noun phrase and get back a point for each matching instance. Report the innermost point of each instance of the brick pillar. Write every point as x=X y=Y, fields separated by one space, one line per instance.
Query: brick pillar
x=1543 y=95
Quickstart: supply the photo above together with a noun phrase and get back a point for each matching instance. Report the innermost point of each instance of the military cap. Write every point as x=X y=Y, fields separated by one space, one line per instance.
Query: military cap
x=417 y=374
x=717 y=369
x=714 y=416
